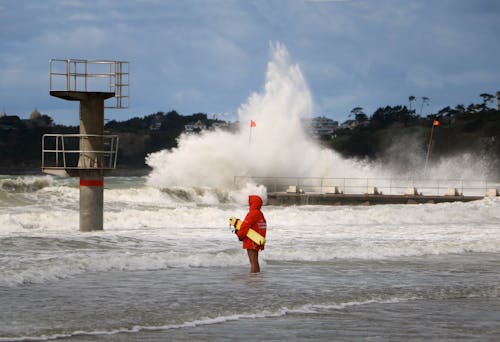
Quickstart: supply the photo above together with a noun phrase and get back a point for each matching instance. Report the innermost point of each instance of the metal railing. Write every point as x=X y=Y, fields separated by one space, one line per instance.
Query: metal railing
x=67 y=152
x=92 y=75
x=386 y=186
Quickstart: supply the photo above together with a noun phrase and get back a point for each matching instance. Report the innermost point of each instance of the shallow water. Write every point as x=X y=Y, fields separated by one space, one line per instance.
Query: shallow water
x=167 y=267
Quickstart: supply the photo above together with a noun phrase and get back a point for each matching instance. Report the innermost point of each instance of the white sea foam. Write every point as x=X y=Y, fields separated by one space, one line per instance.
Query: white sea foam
x=25 y=183
x=277 y=146
x=198 y=236
x=41 y=268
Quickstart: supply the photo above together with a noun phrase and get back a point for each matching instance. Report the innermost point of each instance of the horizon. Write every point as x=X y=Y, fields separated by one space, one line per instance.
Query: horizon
x=491 y=106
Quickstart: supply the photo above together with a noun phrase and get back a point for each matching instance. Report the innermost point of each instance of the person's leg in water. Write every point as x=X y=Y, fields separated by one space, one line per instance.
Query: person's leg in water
x=253 y=256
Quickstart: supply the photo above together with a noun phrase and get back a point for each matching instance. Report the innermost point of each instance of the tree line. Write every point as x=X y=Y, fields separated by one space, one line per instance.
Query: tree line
x=474 y=128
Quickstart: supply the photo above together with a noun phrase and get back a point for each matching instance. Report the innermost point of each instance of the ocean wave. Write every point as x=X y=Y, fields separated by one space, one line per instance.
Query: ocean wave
x=182 y=196
x=25 y=183
x=50 y=267
x=202 y=195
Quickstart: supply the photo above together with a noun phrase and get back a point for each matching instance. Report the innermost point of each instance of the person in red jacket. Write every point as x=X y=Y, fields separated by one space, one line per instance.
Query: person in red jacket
x=256 y=221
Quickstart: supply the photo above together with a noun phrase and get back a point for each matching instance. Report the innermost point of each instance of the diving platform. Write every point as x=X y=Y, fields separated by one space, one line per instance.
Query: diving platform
x=90 y=155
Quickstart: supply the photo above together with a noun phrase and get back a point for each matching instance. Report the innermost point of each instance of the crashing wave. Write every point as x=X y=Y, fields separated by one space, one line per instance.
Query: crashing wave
x=25 y=184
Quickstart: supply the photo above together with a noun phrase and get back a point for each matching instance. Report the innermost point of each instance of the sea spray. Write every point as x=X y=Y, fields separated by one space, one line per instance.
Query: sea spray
x=276 y=146
x=405 y=157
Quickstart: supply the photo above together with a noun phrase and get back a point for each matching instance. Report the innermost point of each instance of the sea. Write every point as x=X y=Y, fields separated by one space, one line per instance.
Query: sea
x=167 y=267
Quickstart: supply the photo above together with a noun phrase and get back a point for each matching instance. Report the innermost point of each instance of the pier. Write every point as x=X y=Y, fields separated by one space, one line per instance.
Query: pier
x=284 y=198
x=370 y=191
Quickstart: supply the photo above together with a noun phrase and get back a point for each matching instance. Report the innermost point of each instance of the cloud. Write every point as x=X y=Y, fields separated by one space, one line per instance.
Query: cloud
x=424 y=77
x=336 y=106
x=210 y=58
x=386 y=14
x=471 y=77
x=188 y=94
x=18 y=73
x=82 y=17
x=72 y=3
x=82 y=39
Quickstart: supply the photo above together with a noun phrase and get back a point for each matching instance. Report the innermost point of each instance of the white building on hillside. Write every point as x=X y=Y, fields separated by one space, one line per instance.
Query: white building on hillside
x=195 y=127
x=321 y=126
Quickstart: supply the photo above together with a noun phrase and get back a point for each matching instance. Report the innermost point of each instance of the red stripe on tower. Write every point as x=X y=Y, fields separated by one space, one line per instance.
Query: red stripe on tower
x=91 y=182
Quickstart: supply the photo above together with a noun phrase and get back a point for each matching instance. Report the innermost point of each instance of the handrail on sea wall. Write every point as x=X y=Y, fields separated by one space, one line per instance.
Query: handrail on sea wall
x=386 y=186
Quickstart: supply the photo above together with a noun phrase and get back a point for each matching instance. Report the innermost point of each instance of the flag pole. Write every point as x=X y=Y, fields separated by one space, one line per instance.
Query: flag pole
x=435 y=123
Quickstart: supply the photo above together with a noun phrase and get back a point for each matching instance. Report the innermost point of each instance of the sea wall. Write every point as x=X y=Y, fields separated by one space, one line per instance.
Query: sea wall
x=284 y=198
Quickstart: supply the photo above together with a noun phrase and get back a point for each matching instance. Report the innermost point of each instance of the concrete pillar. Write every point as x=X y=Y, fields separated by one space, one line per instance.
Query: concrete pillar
x=91 y=122
x=90 y=161
x=91 y=181
x=91 y=201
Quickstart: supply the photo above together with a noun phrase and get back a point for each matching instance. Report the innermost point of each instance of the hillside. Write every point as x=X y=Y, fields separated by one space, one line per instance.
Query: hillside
x=389 y=133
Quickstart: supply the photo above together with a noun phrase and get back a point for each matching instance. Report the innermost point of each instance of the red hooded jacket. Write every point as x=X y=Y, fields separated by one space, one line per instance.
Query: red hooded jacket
x=255 y=220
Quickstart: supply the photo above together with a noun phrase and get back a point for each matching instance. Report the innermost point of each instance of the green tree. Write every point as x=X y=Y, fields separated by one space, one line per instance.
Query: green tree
x=411 y=100
x=460 y=108
x=388 y=115
x=425 y=100
x=359 y=114
x=487 y=98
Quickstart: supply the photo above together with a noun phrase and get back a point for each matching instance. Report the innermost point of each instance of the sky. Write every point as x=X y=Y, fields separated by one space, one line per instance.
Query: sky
x=209 y=56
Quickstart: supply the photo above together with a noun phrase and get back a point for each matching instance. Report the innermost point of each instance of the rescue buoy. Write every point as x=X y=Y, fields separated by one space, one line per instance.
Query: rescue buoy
x=251 y=234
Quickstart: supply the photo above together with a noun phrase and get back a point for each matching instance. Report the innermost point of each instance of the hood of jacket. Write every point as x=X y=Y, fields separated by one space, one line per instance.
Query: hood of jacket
x=255 y=202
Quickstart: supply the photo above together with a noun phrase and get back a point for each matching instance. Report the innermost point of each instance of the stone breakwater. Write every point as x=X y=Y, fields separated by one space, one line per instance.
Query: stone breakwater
x=284 y=198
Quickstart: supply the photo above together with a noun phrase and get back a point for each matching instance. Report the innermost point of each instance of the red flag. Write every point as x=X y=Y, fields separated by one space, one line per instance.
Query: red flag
x=436 y=123
x=252 y=123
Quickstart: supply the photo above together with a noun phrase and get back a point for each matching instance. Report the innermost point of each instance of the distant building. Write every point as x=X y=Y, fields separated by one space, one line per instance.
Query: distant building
x=38 y=119
x=155 y=126
x=220 y=124
x=35 y=115
x=196 y=127
x=156 y=123
x=321 y=126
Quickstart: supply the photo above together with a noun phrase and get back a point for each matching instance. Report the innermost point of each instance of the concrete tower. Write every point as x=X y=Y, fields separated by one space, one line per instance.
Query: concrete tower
x=90 y=155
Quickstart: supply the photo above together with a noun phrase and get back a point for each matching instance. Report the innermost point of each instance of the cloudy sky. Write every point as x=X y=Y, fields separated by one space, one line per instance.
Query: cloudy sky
x=210 y=55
